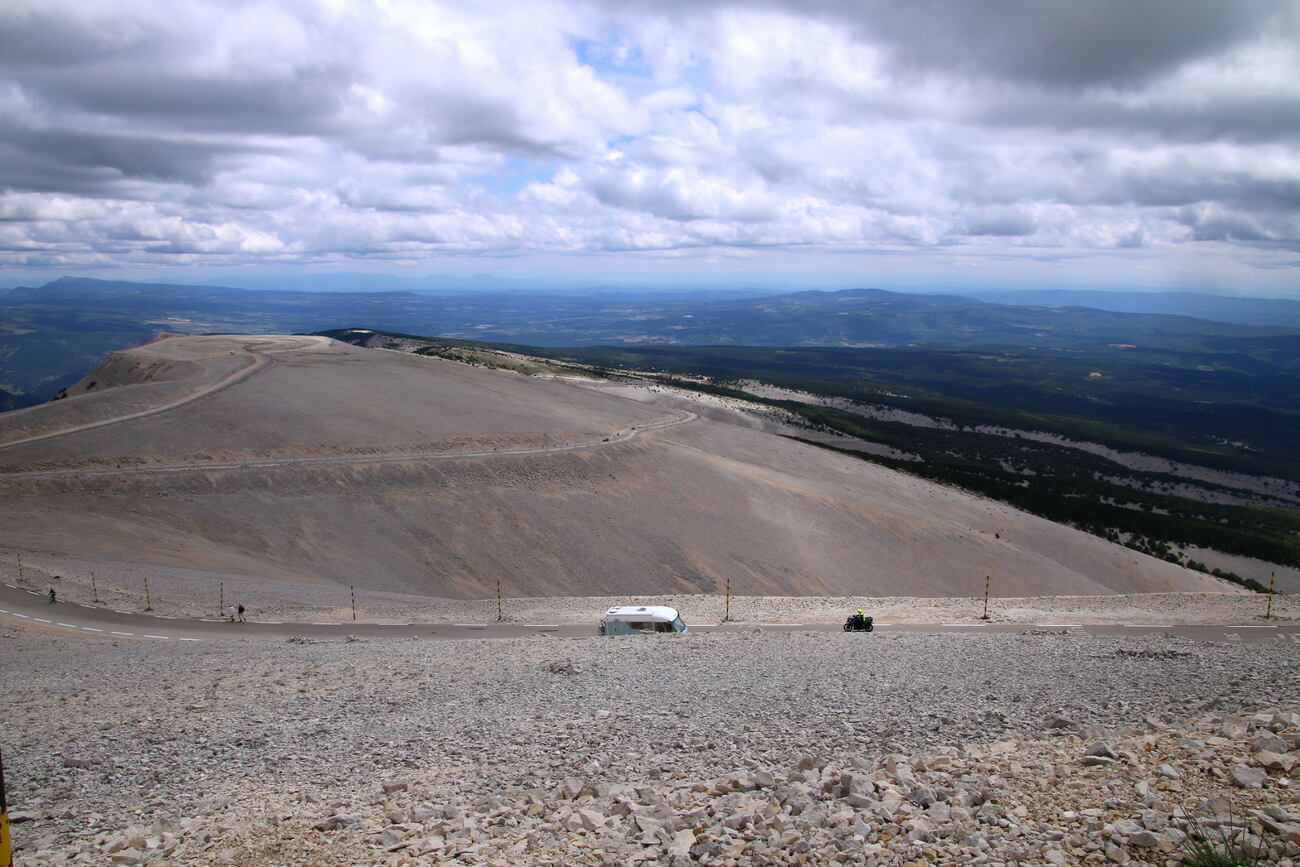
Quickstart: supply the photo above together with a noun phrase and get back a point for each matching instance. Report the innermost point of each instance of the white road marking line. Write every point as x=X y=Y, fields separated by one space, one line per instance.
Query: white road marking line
x=541 y=625
x=327 y=624
x=191 y=639
x=4 y=610
x=271 y=622
x=23 y=616
x=963 y=624
x=15 y=586
x=162 y=637
x=165 y=616
x=69 y=625
x=83 y=605
x=121 y=633
x=90 y=629
x=210 y=620
x=40 y=620
x=1234 y=626
x=120 y=611
x=1059 y=625
x=1147 y=625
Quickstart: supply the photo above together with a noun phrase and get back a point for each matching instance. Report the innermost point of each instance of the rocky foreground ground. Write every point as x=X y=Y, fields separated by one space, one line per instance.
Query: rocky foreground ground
x=1043 y=747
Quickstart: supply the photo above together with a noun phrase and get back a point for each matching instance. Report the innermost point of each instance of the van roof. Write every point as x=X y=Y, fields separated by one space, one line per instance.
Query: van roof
x=642 y=612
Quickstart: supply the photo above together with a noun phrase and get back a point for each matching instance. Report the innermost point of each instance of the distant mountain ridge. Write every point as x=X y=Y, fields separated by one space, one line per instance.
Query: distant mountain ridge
x=1217 y=308
x=52 y=334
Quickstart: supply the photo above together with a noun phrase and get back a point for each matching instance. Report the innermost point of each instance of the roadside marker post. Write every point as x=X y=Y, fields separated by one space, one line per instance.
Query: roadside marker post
x=500 y=615
x=1268 y=612
x=6 y=842
x=94 y=589
x=221 y=599
x=20 y=568
x=353 y=588
x=986 y=598
x=148 y=600
x=726 y=618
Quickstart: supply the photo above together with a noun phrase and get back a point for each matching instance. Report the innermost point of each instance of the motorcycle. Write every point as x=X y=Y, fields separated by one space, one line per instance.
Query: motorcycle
x=858 y=624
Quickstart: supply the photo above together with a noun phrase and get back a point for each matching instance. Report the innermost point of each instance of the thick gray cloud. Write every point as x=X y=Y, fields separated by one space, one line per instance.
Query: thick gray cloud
x=140 y=132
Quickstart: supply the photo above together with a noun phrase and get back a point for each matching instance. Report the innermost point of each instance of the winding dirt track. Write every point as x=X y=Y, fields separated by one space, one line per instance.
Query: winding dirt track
x=258 y=361
x=682 y=417
x=261 y=357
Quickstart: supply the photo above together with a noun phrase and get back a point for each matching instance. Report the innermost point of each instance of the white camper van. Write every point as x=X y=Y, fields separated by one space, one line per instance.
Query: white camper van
x=636 y=619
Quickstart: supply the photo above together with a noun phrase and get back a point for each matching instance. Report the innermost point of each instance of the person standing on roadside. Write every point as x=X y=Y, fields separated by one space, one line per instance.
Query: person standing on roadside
x=230 y=613
x=241 y=613
x=53 y=596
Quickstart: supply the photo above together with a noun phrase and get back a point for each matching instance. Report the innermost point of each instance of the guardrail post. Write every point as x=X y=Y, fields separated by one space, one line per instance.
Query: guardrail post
x=986 y=599
x=1268 y=612
x=6 y=842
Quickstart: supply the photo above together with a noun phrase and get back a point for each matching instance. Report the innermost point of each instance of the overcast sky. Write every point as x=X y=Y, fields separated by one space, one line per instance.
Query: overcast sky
x=845 y=142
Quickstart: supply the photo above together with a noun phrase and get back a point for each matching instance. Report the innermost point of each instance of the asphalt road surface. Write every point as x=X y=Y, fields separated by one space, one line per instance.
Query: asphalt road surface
x=20 y=607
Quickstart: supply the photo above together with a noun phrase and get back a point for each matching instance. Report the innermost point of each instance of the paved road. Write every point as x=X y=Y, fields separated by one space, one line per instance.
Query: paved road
x=20 y=607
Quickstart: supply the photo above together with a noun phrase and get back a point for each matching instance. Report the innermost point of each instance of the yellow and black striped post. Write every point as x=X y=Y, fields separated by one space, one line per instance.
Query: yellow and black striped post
x=726 y=618
x=1268 y=612
x=353 y=588
x=20 y=568
x=6 y=842
x=94 y=589
x=986 y=598
x=500 y=615
x=148 y=600
x=221 y=599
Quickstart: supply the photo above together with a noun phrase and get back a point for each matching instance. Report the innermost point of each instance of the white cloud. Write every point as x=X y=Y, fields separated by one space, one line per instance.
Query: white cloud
x=324 y=131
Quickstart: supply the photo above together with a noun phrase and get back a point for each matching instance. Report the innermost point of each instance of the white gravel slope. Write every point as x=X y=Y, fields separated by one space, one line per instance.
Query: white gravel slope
x=233 y=753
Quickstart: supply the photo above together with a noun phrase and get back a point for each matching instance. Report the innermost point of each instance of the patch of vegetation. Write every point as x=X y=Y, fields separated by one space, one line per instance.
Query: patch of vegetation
x=501 y=360
x=1223 y=847
x=486 y=358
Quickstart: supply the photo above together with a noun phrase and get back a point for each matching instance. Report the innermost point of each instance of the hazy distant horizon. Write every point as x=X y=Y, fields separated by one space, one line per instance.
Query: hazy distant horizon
x=437 y=283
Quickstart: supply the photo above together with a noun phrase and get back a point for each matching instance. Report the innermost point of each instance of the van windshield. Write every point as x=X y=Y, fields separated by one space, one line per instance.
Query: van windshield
x=678 y=625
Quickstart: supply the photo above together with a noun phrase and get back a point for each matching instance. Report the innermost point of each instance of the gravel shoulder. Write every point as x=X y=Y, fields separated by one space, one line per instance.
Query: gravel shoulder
x=405 y=752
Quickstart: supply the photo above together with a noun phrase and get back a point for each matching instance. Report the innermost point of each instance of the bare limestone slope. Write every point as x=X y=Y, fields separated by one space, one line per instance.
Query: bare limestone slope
x=309 y=460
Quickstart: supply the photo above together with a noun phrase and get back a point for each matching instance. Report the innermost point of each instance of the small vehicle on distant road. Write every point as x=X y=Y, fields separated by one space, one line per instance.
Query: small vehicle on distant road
x=638 y=619
x=859 y=623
